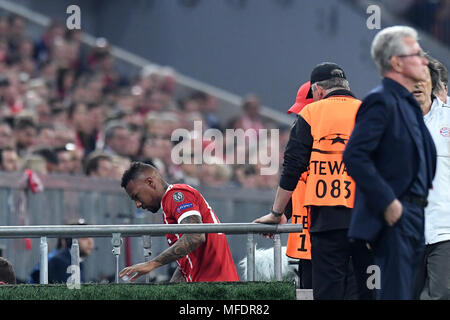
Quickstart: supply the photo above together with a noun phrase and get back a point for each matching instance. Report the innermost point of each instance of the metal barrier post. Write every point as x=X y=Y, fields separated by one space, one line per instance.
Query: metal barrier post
x=75 y=253
x=43 y=273
x=277 y=256
x=75 y=260
x=250 y=257
x=147 y=244
x=116 y=242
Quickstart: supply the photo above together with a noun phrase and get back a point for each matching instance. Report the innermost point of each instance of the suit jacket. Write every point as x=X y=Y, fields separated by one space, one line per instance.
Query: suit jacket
x=382 y=156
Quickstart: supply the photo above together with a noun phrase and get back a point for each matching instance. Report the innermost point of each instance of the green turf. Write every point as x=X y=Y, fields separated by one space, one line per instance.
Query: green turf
x=180 y=291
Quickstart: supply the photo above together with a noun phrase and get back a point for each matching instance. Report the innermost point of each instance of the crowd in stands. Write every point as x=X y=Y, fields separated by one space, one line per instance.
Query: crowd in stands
x=65 y=109
x=431 y=16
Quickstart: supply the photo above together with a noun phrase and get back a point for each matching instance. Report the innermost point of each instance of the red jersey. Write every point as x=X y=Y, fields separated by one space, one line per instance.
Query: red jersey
x=212 y=260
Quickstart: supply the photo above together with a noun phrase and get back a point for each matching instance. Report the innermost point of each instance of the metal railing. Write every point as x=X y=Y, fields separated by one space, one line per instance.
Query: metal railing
x=146 y=231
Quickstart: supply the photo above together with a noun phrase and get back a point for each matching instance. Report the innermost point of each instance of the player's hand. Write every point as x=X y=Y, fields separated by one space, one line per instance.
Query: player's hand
x=393 y=212
x=139 y=269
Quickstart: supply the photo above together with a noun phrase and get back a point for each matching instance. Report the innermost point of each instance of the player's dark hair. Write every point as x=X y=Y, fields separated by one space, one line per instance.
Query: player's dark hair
x=7 y=274
x=135 y=169
x=435 y=68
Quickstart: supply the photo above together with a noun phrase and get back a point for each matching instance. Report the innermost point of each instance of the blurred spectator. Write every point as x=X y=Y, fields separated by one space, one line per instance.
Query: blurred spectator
x=25 y=49
x=60 y=108
x=40 y=107
x=215 y=174
x=117 y=136
x=206 y=104
x=96 y=116
x=135 y=142
x=50 y=157
x=266 y=181
x=65 y=82
x=7 y=274
x=157 y=147
x=57 y=266
x=16 y=31
x=120 y=165
x=59 y=115
x=25 y=131
x=83 y=125
x=6 y=135
x=4 y=27
x=65 y=160
x=44 y=45
x=422 y=13
x=9 y=161
x=46 y=136
x=10 y=101
x=251 y=119
x=441 y=28
x=246 y=176
x=431 y=16
x=77 y=157
x=188 y=173
x=34 y=162
x=60 y=259
x=99 y=164
x=161 y=124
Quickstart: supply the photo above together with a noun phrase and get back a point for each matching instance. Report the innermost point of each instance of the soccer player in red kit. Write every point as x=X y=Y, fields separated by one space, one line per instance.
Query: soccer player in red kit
x=200 y=257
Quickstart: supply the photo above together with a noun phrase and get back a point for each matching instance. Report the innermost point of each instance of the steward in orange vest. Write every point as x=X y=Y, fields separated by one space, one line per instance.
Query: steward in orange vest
x=327 y=182
x=316 y=146
x=331 y=121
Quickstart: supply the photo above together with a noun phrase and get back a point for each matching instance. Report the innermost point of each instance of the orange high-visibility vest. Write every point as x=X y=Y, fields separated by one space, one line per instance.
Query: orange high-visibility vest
x=332 y=121
x=299 y=244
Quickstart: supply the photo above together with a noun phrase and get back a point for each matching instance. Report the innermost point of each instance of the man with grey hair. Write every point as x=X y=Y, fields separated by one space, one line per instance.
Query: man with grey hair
x=392 y=158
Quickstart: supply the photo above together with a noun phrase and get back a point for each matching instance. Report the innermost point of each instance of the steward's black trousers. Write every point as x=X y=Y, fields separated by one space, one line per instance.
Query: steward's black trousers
x=339 y=267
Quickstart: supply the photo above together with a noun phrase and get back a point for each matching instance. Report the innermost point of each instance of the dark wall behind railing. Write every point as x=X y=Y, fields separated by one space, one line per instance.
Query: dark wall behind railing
x=102 y=201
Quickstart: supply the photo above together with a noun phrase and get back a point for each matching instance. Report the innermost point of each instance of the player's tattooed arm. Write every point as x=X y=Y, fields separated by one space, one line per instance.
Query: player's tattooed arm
x=185 y=245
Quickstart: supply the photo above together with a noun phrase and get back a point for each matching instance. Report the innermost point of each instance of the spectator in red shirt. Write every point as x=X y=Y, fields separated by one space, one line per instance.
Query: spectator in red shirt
x=200 y=257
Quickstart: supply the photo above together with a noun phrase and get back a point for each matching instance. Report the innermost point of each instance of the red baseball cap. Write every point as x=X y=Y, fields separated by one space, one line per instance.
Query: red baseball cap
x=301 y=101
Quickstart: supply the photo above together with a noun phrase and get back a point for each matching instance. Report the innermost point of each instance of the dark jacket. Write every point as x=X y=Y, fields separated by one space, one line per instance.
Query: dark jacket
x=57 y=268
x=382 y=155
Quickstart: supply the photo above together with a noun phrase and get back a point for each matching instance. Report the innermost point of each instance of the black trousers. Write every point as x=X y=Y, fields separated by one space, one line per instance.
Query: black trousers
x=305 y=271
x=339 y=267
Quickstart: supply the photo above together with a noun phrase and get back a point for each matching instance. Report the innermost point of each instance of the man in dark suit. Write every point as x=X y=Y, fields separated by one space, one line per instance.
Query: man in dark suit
x=392 y=158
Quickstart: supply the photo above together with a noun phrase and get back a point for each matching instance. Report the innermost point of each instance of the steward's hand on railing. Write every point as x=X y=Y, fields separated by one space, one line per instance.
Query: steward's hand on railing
x=270 y=219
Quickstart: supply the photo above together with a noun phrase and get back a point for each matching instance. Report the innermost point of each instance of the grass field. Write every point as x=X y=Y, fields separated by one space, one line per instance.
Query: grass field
x=183 y=291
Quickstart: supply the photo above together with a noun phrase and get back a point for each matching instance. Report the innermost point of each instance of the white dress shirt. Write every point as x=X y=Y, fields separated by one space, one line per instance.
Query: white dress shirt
x=437 y=213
